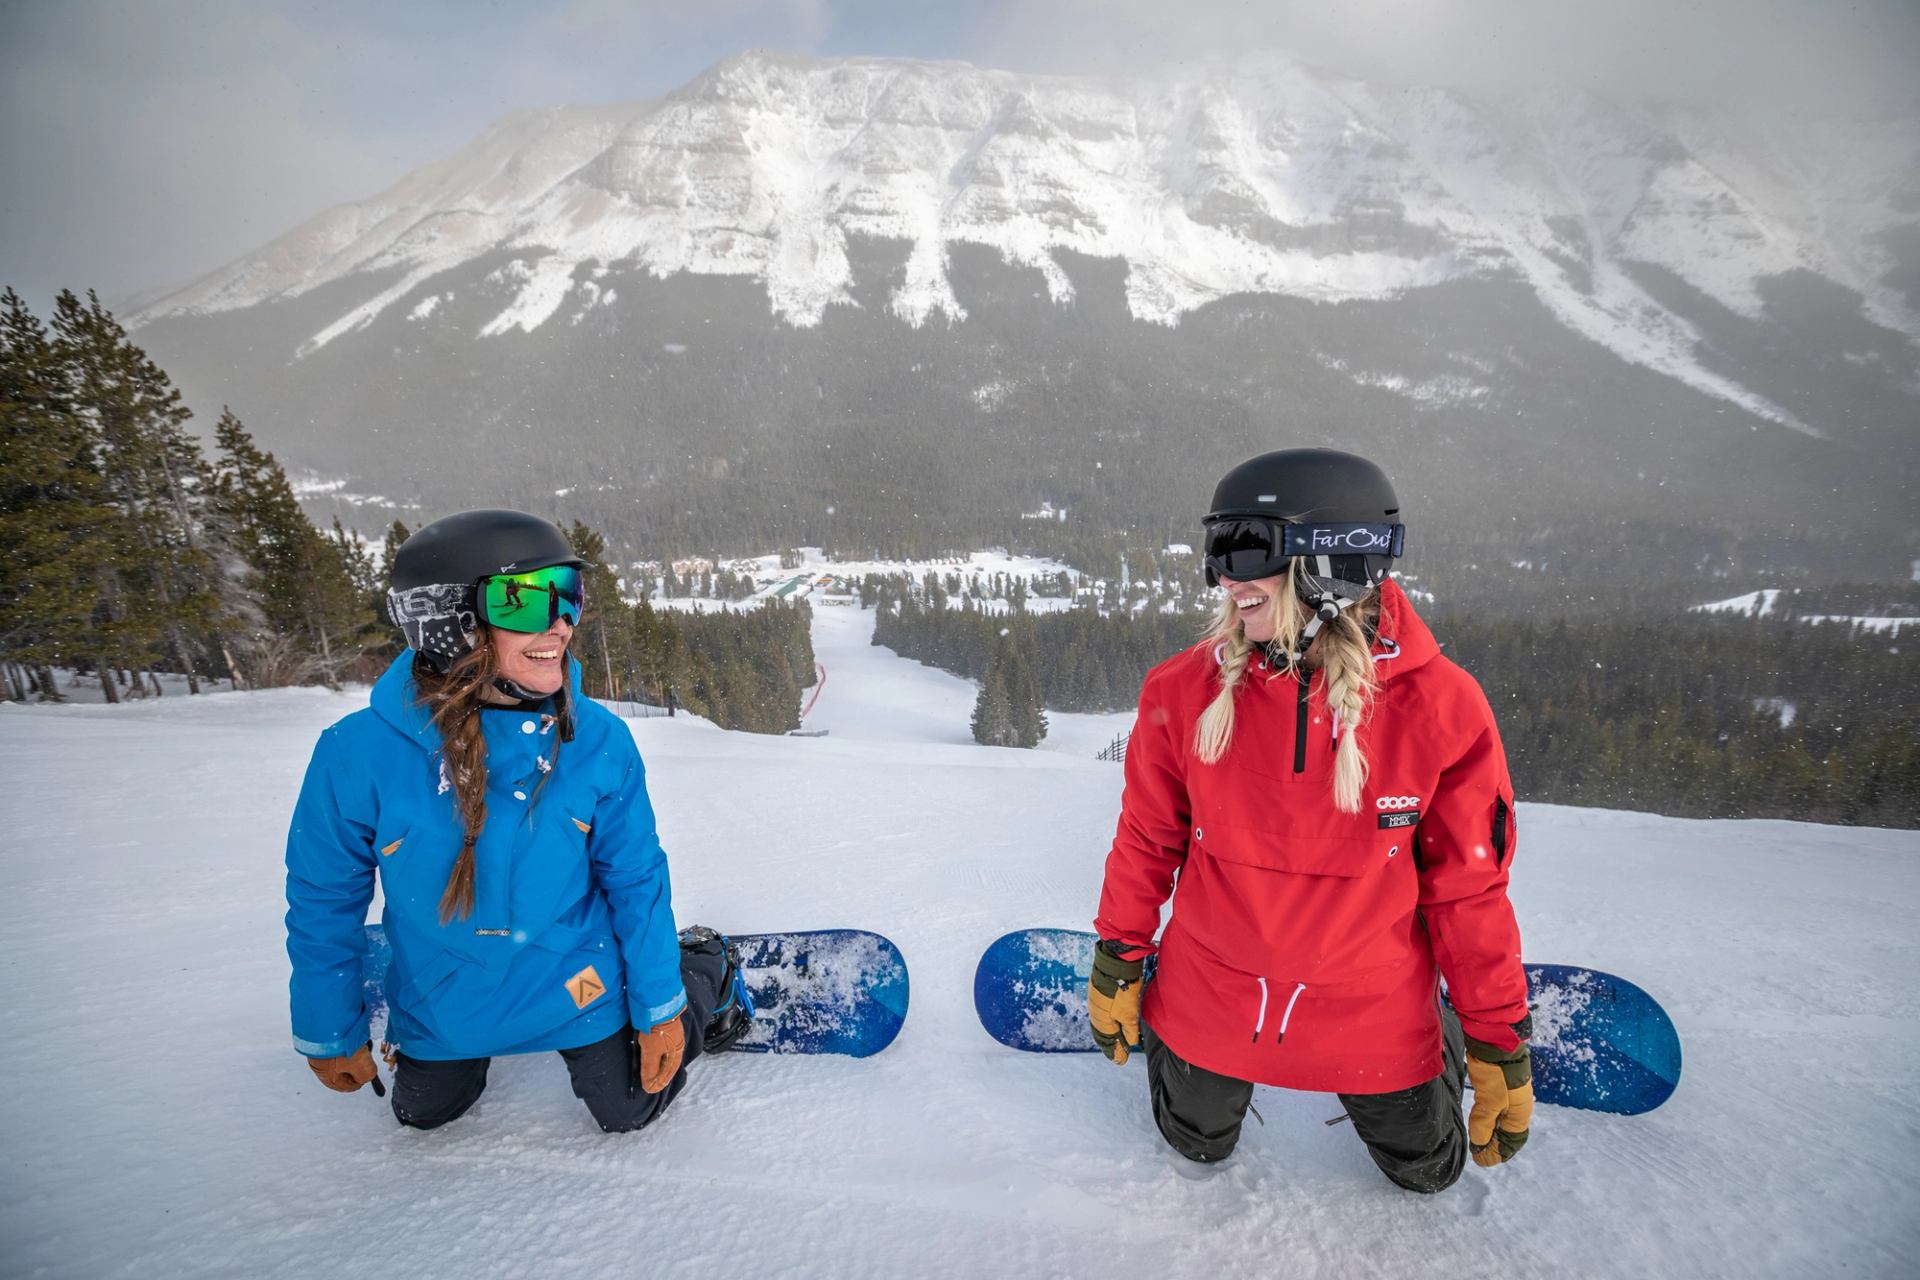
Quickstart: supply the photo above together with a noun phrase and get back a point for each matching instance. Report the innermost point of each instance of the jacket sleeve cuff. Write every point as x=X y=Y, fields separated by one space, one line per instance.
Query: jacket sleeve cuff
x=654 y=1015
x=332 y=1048
x=1133 y=952
x=1498 y=1034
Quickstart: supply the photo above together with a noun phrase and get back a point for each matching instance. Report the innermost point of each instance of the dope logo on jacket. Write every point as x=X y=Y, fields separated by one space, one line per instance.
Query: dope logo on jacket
x=1398 y=811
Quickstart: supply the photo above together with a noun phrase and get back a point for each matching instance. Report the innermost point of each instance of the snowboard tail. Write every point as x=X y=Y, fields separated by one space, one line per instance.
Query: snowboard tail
x=822 y=991
x=1599 y=1043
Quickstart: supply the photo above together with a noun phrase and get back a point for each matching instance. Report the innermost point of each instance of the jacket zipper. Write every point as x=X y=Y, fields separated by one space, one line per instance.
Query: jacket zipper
x=1300 y=726
x=1499 y=830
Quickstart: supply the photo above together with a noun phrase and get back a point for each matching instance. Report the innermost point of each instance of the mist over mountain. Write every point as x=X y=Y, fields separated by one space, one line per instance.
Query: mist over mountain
x=894 y=306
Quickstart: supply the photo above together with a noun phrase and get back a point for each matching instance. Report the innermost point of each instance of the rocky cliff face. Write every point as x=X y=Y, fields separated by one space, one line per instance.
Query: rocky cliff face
x=1769 y=274
x=1256 y=178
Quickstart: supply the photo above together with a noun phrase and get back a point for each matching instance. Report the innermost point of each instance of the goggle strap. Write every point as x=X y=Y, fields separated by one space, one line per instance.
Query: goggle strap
x=1350 y=538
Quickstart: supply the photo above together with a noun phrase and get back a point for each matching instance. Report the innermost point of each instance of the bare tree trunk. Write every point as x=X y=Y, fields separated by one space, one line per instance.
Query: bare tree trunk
x=326 y=657
x=606 y=658
x=153 y=678
x=49 y=685
x=186 y=661
x=14 y=685
x=233 y=672
x=106 y=682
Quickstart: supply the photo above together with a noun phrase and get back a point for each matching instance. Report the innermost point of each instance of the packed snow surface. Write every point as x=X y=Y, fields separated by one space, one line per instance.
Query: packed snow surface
x=158 y=1122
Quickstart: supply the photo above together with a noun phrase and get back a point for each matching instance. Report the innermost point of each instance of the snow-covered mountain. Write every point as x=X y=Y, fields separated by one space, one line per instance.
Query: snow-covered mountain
x=1257 y=177
x=892 y=307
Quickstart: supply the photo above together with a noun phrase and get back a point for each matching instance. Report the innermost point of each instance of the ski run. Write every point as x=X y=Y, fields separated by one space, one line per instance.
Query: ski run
x=157 y=1121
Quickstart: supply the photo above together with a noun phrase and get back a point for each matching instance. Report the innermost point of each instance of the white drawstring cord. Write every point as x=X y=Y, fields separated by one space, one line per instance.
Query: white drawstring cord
x=1287 y=1016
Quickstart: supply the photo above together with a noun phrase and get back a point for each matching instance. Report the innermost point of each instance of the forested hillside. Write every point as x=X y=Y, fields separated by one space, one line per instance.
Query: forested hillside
x=130 y=551
x=1651 y=708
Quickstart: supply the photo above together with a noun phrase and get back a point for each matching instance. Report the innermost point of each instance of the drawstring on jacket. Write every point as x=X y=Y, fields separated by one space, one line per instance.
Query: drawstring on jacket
x=1286 y=1015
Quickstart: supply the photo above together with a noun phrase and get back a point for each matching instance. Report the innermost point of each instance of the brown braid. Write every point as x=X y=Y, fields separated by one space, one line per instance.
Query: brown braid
x=454 y=701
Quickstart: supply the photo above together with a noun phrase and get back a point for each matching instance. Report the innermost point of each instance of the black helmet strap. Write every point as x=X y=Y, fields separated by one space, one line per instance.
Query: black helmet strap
x=562 y=701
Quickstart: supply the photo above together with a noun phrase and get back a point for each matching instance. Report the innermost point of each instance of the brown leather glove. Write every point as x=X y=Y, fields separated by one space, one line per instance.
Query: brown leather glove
x=661 y=1047
x=349 y=1073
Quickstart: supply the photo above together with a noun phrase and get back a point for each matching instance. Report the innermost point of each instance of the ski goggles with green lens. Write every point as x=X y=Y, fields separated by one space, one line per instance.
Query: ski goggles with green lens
x=533 y=601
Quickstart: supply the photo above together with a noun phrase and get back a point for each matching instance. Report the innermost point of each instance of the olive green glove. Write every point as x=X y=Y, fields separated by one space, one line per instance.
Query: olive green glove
x=1113 y=1002
x=1502 y=1101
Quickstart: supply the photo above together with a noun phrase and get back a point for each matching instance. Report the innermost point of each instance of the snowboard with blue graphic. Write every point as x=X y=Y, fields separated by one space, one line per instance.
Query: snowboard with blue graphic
x=1599 y=1042
x=823 y=991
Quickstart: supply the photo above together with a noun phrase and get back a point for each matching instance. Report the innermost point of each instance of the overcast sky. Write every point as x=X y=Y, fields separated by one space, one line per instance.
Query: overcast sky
x=146 y=142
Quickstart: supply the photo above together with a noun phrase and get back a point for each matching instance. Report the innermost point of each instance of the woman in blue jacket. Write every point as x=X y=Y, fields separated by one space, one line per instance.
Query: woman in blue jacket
x=527 y=898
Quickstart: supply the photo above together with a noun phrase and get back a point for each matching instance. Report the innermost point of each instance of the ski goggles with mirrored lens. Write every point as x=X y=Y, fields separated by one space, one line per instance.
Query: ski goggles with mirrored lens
x=533 y=601
x=1247 y=548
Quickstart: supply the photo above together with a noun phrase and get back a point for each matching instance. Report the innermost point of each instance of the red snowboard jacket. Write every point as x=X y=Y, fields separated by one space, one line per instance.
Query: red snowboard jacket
x=1304 y=944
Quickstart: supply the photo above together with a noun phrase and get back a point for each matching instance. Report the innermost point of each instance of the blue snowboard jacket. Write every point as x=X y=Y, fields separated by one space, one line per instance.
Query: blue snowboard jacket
x=572 y=933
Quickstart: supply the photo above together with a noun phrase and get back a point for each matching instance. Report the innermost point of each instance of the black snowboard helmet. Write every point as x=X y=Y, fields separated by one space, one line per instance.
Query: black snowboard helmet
x=1335 y=511
x=1330 y=506
x=437 y=572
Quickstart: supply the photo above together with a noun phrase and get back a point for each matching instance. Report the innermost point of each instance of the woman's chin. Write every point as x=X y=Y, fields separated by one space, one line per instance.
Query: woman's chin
x=541 y=680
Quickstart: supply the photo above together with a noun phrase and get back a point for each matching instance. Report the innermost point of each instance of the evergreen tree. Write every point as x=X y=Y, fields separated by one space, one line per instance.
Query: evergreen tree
x=1007 y=713
x=604 y=624
x=315 y=593
x=356 y=621
x=397 y=534
x=1023 y=694
x=56 y=520
x=992 y=714
x=162 y=592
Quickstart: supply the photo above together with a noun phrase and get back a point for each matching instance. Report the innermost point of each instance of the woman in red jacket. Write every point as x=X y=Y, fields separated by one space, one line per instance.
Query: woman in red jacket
x=1330 y=795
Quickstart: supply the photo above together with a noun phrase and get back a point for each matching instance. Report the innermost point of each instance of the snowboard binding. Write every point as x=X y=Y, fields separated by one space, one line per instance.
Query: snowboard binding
x=734 y=1014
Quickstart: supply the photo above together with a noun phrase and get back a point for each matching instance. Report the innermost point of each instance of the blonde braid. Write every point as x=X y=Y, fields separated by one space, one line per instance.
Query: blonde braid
x=1346 y=657
x=1215 y=730
x=1345 y=654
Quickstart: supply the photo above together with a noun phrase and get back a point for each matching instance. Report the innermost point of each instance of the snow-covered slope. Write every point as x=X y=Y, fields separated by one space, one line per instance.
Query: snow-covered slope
x=1254 y=177
x=156 y=1119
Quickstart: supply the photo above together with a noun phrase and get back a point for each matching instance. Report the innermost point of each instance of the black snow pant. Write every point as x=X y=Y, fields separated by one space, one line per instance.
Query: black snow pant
x=427 y=1093
x=1417 y=1136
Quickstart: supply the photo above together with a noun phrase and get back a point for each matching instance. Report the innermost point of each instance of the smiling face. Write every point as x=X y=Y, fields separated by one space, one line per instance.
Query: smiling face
x=1257 y=601
x=533 y=661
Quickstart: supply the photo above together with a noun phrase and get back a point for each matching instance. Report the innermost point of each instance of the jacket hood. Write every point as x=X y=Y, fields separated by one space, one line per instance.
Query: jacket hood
x=1402 y=640
x=396 y=699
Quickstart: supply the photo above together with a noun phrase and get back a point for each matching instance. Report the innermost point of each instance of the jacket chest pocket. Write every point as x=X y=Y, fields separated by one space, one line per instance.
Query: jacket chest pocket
x=415 y=861
x=1240 y=817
